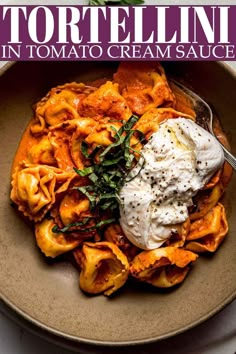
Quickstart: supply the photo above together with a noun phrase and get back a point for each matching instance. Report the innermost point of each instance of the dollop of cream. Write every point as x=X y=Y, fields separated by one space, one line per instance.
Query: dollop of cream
x=179 y=159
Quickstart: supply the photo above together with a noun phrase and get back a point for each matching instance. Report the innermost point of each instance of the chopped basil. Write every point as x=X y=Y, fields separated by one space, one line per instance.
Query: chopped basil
x=111 y=167
x=66 y=228
x=108 y=172
x=85 y=172
x=69 y=228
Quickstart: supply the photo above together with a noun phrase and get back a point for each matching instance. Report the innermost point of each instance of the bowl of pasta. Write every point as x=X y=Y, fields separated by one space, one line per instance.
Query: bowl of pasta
x=117 y=207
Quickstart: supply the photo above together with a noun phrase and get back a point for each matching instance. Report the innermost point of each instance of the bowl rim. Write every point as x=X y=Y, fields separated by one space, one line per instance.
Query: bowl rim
x=5 y=65
x=48 y=331
x=79 y=340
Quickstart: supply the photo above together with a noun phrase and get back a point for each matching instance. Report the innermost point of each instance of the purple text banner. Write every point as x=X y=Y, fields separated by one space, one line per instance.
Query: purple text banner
x=118 y=32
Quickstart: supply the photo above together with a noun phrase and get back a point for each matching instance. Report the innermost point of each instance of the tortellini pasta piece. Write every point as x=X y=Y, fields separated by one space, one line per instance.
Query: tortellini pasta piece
x=84 y=126
x=42 y=153
x=143 y=85
x=53 y=244
x=206 y=200
x=66 y=139
x=59 y=105
x=216 y=178
x=162 y=267
x=103 y=133
x=226 y=174
x=114 y=234
x=150 y=120
x=178 y=238
x=60 y=142
x=104 y=268
x=105 y=101
x=34 y=188
x=207 y=233
x=72 y=207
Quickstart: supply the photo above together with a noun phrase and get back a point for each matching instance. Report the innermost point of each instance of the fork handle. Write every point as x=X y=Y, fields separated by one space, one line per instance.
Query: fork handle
x=229 y=157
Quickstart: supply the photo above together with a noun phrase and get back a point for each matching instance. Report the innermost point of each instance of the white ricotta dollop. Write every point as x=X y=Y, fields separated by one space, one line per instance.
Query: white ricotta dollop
x=180 y=158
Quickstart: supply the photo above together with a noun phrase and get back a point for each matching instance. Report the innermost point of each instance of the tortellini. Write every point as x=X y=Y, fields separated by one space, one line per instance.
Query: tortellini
x=42 y=153
x=59 y=105
x=206 y=200
x=151 y=119
x=66 y=139
x=115 y=234
x=106 y=101
x=207 y=233
x=103 y=133
x=162 y=267
x=104 y=268
x=34 y=189
x=53 y=244
x=144 y=86
x=72 y=207
x=178 y=238
x=60 y=141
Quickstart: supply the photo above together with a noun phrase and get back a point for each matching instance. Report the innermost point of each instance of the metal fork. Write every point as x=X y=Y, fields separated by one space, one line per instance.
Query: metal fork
x=205 y=118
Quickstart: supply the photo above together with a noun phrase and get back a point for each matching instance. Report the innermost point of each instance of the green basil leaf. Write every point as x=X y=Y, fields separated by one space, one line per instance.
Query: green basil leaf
x=66 y=228
x=85 y=172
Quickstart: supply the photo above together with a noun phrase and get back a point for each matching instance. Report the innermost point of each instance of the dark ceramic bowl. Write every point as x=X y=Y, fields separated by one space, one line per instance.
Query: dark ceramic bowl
x=47 y=293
